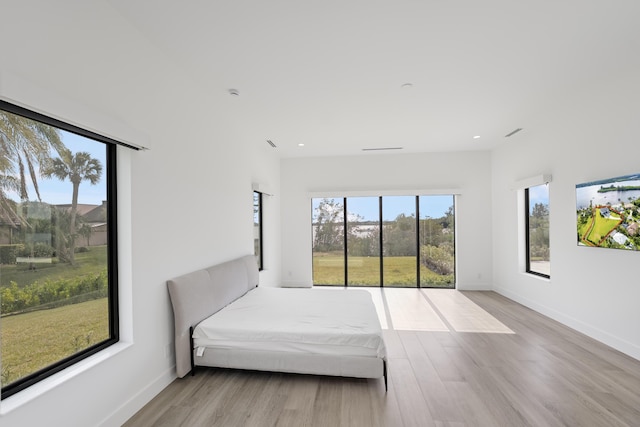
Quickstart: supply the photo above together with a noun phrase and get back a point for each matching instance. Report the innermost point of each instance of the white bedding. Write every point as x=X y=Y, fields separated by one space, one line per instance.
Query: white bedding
x=317 y=321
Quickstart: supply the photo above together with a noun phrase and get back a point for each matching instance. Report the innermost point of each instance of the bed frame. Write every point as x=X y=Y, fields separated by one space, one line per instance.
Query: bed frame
x=197 y=295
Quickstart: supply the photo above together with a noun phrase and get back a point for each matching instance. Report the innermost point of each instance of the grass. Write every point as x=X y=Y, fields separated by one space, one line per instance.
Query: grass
x=365 y=271
x=32 y=341
x=598 y=228
x=89 y=262
x=35 y=340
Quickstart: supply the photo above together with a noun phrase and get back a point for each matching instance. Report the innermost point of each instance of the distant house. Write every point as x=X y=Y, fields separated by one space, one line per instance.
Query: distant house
x=9 y=225
x=605 y=212
x=95 y=216
x=97 y=220
x=632 y=229
x=620 y=238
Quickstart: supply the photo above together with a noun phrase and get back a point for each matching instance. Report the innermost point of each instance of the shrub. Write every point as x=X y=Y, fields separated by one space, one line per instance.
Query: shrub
x=38 y=250
x=437 y=259
x=52 y=293
x=8 y=253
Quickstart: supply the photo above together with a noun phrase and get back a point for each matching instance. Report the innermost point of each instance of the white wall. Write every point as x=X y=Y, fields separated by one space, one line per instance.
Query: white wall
x=589 y=134
x=467 y=173
x=186 y=203
x=188 y=200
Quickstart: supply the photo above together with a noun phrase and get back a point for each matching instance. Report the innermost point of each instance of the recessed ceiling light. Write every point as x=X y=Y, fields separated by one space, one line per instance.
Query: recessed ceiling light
x=476 y=137
x=407 y=85
x=234 y=92
x=301 y=145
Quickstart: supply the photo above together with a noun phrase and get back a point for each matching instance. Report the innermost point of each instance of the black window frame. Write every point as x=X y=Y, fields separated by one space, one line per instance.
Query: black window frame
x=112 y=250
x=260 y=255
x=528 y=237
x=345 y=248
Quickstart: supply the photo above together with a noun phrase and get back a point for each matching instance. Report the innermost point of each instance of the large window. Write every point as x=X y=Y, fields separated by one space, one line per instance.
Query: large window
x=437 y=241
x=399 y=241
x=58 y=259
x=328 y=241
x=537 y=230
x=363 y=241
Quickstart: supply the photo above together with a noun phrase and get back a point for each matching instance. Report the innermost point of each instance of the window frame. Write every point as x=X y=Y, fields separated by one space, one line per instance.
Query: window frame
x=260 y=246
x=380 y=201
x=527 y=233
x=112 y=250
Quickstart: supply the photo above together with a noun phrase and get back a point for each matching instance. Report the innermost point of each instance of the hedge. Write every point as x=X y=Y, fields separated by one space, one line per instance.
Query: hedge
x=49 y=294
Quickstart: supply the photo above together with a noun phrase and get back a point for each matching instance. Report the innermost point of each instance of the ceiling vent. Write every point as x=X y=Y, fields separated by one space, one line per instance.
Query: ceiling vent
x=382 y=148
x=513 y=132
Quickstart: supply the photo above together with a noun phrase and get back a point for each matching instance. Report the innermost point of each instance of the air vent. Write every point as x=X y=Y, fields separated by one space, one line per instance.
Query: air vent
x=270 y=142
x=382 y=148
x=513 y=132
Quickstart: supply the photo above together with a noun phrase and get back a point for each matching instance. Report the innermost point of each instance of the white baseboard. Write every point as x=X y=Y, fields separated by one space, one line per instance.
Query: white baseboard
x=591 y=331
x=296 y=284
x=474 y=287
x=136 y=402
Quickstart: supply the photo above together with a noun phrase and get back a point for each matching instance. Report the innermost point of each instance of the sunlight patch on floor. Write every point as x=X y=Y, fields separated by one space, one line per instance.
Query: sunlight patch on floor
x=405 y=309
x=462 y=314
x=438 y=310
x=376 y=295
x=410 y=312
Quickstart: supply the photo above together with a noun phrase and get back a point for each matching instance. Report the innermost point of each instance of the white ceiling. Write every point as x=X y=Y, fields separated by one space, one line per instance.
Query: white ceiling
x=329 y=74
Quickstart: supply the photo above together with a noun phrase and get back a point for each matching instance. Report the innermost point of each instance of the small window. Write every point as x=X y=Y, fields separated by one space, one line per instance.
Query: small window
x=257 y=228
x=537 y=230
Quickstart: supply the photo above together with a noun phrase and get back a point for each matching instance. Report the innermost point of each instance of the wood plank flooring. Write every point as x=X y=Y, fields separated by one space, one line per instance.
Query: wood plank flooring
x=517 y=368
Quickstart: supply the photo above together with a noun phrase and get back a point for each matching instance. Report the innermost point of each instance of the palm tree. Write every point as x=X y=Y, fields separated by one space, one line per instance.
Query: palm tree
x=24 y=144
x=76 y=168
x=8 y=212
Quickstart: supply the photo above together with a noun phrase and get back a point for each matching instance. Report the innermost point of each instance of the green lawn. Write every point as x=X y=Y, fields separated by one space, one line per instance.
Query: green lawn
x=32 y=341
x=599 y=229
x=328 y=269
x=91 y=262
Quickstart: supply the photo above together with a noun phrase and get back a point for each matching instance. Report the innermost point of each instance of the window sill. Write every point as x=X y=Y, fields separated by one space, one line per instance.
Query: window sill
x=25 y=396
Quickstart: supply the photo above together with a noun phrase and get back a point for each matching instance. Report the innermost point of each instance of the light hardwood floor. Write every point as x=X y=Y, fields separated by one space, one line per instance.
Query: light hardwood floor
x=483 y=360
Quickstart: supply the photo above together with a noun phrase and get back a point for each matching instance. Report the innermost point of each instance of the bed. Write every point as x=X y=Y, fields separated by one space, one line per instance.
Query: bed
x=223 y=319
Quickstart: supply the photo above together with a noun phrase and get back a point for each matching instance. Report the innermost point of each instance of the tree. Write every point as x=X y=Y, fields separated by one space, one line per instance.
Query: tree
x=400 y=236
x=24 y=144
x=539 y=232
x=328 y=224
x=540 y=210
x=76 y=168
x=85 y=231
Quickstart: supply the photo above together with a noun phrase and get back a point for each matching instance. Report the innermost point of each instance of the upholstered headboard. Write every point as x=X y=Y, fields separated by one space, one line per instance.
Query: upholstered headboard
x=197 y=295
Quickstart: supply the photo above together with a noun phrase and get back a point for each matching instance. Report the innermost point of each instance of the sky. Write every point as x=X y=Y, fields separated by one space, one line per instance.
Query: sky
x=56 y=192
x=434 y=206
x=538 y=194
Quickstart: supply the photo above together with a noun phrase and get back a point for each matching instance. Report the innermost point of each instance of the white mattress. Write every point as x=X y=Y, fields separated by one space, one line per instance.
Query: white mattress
x=316 y=321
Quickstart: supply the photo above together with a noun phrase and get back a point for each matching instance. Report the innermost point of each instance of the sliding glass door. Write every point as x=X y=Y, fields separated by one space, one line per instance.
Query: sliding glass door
x=363 y=241
x=328 y=241
x=399 y=241
x=437 y=241
x=395 y=241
